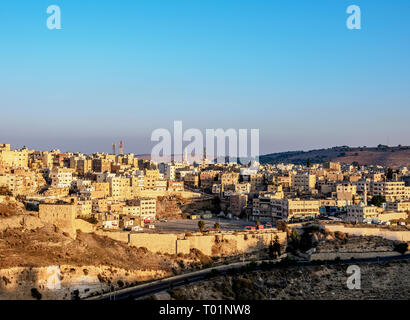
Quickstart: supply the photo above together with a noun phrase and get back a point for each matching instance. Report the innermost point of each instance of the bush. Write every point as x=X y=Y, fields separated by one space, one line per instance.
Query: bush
x=281 y=225
x=401 y=247
x=4 y=191
x=36 y=294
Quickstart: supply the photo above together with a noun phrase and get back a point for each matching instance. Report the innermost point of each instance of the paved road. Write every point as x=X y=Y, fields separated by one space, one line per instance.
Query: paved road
x=152 y=288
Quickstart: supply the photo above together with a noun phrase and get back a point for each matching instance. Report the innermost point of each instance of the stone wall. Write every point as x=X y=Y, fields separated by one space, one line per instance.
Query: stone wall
x=60 y=215
x=218 y=244
x=115 y=235
x=386 y=234
x=349 y=255
x=26 y=221
x=163 y=243
x=84 y=226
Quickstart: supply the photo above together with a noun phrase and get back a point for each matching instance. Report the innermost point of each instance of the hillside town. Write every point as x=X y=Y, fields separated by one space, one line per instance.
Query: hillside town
x=123 y=192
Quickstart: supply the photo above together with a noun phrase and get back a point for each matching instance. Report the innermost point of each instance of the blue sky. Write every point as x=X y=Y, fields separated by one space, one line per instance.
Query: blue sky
x=120 y=69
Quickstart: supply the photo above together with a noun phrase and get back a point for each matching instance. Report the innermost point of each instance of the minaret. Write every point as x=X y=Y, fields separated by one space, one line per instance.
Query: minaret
x=365 y=194
x=121 y=148
x=113 y=148
x=204 y=155
x=185 y=155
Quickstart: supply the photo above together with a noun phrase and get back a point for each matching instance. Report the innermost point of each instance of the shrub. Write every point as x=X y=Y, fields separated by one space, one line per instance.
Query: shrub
x=281 y=225
x=401 y=247
x=36 y=294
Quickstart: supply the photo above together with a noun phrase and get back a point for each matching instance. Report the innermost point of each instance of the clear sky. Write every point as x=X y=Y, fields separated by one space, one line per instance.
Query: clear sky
x=120 y=69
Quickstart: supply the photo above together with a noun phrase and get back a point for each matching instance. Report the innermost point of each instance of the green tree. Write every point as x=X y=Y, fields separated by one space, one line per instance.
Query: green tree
x=281 y=225
x=308 y=163
x=257 y=223
x=378 y=200
x=294 y=238
x=201 y=225
x=217 y=226
x=401 y=247
x=389 y=174
x=274 y=248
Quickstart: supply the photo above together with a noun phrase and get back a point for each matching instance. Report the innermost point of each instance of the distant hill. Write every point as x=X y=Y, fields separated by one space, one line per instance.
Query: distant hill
x=380 y=155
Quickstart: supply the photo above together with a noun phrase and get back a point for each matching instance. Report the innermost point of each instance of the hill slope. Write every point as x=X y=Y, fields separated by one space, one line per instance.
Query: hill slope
x=381 y=155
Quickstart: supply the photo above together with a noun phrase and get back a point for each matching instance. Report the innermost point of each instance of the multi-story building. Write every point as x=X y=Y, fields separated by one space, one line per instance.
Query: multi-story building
x=332 y=166
x=176 y=186
x=345 y=191
x=242 y=188
x=294 y=208
x=208 y=178
x=398 y=205
x=362 y=213
x=191 y=180
x=237 y=202
x=61 y=177
x=150 y=178
x=148 y=208
x=101 y=165
x=13 y=158
x=229 y=179
x=304 y=182
x=391 y=190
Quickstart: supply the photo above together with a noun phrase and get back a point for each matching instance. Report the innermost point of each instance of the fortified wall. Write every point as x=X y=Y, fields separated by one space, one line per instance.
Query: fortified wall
x=63 y=216
x=217 y=244
x=386 y=234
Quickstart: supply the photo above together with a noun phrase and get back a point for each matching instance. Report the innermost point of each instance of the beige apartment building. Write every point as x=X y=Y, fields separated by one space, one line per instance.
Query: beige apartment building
x=191 y=180
x=161 y=185
x=150 y=179
x=148 y=208
x=120 y=187
x=334 y=176
x=346 y=191
x=262 y=205
x=208 y=178
x=176 y=186
x=400 y=206
x=131 y=210
x=61 y=177
x=305 y=182
x=391 y=190
x=13 y=158
x=284 y=181
x=237 y=202
x=256 y=181
x=289 y=208
x=229 y=178
x=242 y=188
x=83 y=166
x=332 y=166
x=101 y=165
x=84 y=208
x=22 y=181
x=99 y=205
x=102 y=189
x=362 y=213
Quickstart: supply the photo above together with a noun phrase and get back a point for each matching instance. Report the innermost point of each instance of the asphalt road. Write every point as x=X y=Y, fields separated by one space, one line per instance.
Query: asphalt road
x=152 y=288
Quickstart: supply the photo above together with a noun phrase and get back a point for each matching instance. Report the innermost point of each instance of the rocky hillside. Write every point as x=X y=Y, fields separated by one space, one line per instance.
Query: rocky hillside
x=88 y=264
x=378 y=281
